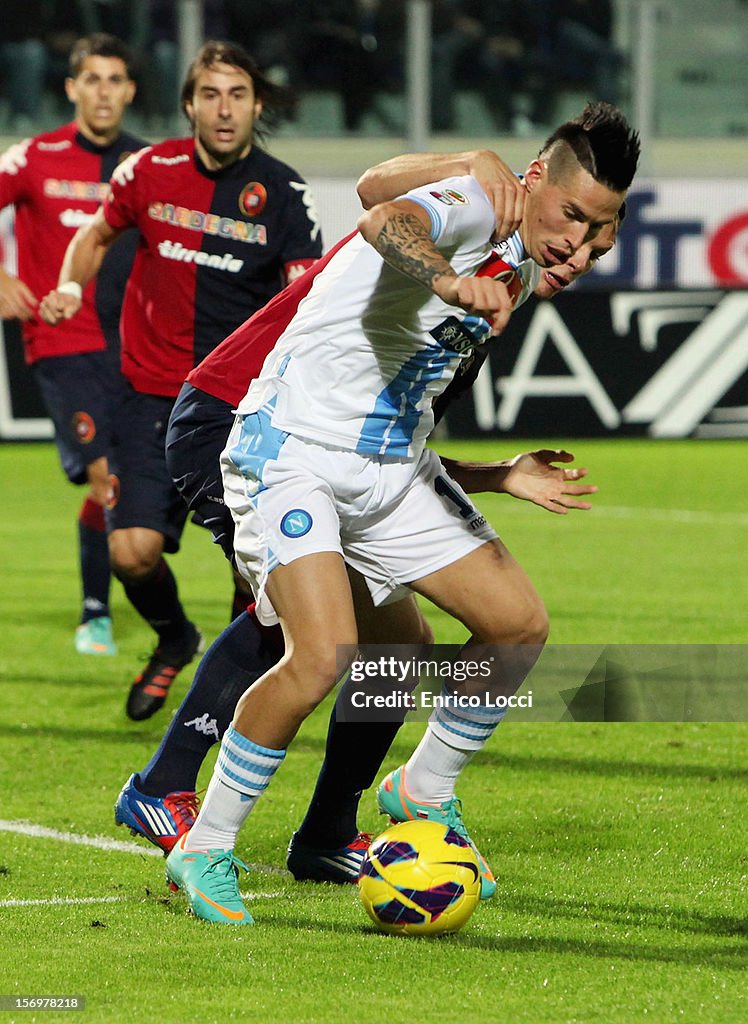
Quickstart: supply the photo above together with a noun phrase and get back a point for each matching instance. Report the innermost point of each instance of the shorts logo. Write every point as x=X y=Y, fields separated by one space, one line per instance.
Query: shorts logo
x=296 y=523
x=252 y=199
x=84 y=428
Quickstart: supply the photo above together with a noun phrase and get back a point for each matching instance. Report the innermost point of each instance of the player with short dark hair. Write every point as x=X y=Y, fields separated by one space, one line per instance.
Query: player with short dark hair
x=223 y=226
x=56 y=182
x=159 y=802
x=320 y=477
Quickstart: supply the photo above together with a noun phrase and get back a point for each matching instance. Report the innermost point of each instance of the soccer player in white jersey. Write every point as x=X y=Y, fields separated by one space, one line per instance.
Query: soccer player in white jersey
x=326 y=465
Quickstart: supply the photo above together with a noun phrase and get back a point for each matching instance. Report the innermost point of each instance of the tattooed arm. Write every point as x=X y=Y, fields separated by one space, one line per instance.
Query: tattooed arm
x=400 y=232
x=395 y=177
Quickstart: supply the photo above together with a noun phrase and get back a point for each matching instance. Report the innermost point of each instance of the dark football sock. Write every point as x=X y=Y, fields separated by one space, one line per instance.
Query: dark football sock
x=239 y=656
x=353 y=755
x=156 y=599
x=94 y=560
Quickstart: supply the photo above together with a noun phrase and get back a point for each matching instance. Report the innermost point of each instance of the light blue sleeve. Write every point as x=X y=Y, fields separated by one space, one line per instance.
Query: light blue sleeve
x=458 y=209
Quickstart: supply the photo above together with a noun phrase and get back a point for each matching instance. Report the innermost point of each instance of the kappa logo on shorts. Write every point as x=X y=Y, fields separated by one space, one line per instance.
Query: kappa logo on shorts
x=296 y=523
x=84 y=427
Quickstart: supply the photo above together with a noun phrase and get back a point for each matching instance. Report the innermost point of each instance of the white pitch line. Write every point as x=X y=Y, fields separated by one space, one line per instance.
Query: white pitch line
x=28 y=828
x=65 y=901
x=73 y=901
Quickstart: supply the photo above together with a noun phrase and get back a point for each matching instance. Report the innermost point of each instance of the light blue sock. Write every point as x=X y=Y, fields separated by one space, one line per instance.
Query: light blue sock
x=242 y=774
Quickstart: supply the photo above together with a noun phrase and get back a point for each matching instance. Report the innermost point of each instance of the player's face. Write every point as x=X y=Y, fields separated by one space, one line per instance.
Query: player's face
x=562 y=216
x=100 y=93
x=554 y=279
x=223 y=113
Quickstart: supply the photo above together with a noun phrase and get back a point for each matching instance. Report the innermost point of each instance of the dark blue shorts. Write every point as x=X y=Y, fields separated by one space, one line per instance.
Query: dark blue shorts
x=144 y=492
x=81 y=393
x=198 y=430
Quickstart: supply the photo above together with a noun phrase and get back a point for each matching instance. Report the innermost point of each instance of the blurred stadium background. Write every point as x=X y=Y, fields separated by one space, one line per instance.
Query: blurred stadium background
x=654 y=342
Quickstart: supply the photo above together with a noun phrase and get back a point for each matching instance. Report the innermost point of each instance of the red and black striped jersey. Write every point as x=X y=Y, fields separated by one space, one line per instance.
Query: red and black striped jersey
x=56 y=182
x=227 y=371
x=214 y=247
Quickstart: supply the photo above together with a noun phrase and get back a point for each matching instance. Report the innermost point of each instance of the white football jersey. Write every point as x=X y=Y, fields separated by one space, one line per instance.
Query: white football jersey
x=368 y=348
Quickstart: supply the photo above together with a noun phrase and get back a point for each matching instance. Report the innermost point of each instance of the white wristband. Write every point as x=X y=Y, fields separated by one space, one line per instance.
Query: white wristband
x=71 y=288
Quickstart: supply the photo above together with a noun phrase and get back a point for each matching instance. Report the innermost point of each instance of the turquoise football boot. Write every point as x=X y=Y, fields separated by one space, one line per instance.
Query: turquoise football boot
x=209 y=880
x=393 y=800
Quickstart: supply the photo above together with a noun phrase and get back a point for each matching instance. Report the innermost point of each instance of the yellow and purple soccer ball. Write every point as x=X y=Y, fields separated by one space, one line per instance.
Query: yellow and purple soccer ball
x=419 y=878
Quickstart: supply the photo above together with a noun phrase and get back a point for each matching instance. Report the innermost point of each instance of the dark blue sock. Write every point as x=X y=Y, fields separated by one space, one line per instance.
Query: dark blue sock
x=353 y=755
x=239 y=656
x=156 y=599
x=94 y=561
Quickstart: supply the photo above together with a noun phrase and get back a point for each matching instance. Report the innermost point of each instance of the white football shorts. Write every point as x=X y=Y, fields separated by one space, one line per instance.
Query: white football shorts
x=393 y=520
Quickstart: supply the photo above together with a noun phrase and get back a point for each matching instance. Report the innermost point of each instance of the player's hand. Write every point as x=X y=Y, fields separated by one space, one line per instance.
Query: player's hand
x=504 y=189
x=58 y=306
x=533 y=477
x=17 y=301
x=15 y=159
x=481 y=296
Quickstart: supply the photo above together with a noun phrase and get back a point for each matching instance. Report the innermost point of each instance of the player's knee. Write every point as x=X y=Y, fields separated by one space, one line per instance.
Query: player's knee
x=535 y=626
x=131 y=562
x=318 y=667
x=133 y=569
x=528 y=624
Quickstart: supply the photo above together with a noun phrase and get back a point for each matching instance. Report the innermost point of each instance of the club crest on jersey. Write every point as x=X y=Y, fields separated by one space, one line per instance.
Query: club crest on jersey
x=451 y=197
x=457 y=336
x=252 y=199
x=296 y=523
x=84 y=428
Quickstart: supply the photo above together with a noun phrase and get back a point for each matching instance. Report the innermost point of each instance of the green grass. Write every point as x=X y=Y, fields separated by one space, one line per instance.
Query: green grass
x=619 y=848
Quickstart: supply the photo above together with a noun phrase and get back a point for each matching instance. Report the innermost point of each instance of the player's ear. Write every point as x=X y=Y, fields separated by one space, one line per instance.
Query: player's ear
x=70 y=89
x=132 y=88
x=258 y=108
x=535 y=173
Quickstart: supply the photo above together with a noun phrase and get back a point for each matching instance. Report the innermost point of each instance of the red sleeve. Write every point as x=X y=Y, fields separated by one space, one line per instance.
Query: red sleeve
x=13 y=169
x=121 y=205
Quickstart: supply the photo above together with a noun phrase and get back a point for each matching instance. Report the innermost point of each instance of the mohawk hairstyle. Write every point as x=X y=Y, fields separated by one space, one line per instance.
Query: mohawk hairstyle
x=278 y=102
x=602 y=141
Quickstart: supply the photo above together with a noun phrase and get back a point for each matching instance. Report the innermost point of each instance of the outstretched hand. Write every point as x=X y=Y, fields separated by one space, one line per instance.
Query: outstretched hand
x=533 y=477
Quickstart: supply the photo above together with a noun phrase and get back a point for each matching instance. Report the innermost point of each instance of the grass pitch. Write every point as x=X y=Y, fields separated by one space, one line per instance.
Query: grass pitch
x=619 y=848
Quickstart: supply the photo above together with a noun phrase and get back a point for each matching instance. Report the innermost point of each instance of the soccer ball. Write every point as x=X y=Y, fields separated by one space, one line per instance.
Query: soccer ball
x=419 y=878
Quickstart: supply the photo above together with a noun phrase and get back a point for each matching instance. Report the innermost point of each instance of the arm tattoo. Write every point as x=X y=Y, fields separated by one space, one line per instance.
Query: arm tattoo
x=404 y=243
